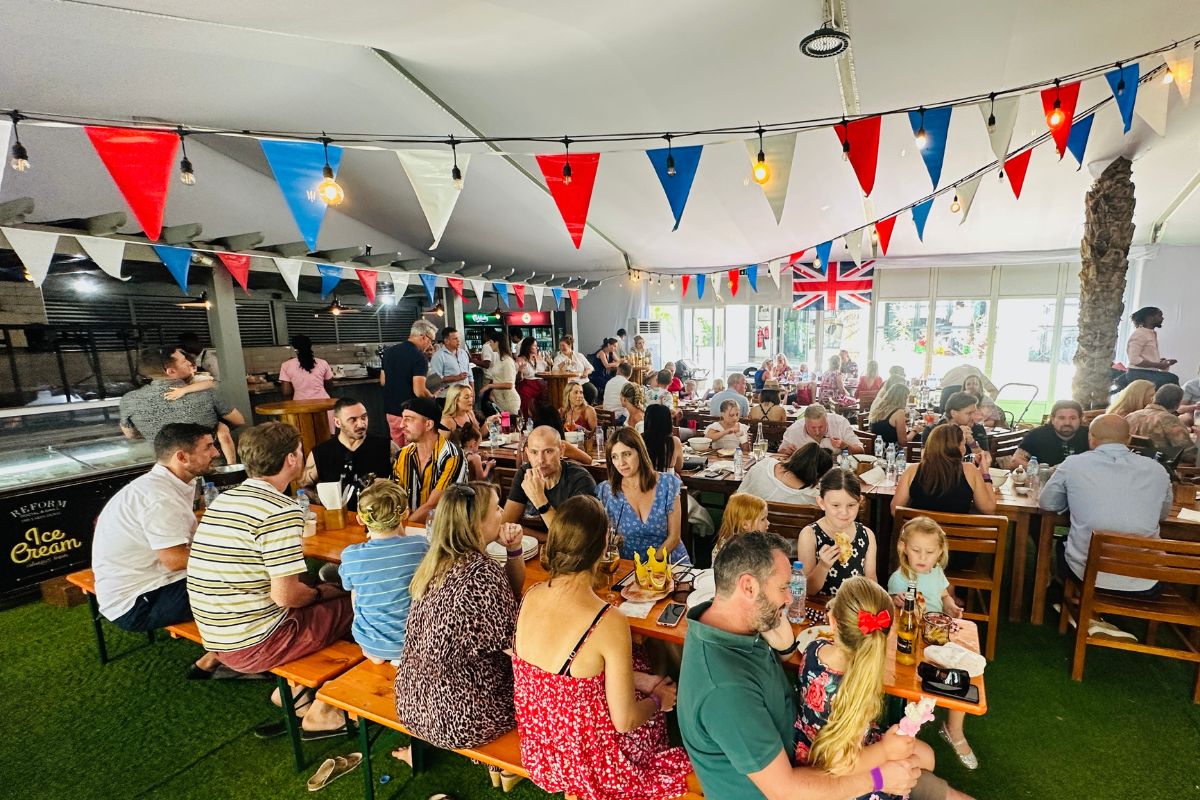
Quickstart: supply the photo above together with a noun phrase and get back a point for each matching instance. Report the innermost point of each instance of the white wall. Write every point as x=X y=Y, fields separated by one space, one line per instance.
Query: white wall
x=1170 y=281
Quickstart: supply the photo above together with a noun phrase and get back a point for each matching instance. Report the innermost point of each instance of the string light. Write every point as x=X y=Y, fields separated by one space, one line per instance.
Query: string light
x=1168 y=76
x=1056 y=116
x=762 y=171
x=874 y=234
x=672 y=283
x=20 y=156
x=955 y=206
x=922 y=136
x=455 y=173
x=670 y=157
x=187 y=176
x=566 y=173
x=991 y=120
x=845 y=140
x=1121 y=82
x=328 y=189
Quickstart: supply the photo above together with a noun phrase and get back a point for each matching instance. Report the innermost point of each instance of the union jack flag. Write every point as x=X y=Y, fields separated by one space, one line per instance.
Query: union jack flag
x=837 y=286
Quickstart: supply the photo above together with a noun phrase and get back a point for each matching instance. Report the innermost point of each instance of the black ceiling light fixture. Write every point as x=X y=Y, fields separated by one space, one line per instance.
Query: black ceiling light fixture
x=826 y=41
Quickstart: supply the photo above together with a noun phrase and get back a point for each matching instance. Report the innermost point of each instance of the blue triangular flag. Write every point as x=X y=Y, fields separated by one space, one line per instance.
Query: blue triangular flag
x=331 y=276
x=177 y=260
x=502 y=290
x=920 y=213
x=1127 y=94
x=752 y=276
x=297 y=167
x=430 y=282
x=1078 y=139
x=701 y=280
x=678 y=186
x=557 y=297
x=936 y=122
x=823 y=253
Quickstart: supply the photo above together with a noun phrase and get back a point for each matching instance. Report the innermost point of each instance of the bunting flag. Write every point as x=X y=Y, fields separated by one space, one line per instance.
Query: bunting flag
x=796 y=256
x=884 y=228
x=734 y=276
x=367 y=278
x=823 y=251
x=430 y=173
x=430 y=282
x=289 y=268
x=538 y=293
x=701 y=279
x=1015 y=168
x=519 y=291
x=35 y=249
x=863 y=135
x=966 y=196
x=1077 y=141
x=479 y=286
x=1181 y=62
x=1003 y=110
x=684 y=282
x=574 y=295
x=854 y=245
x=677 y=187
x=778 y=152
x=572 y=198
x=177 y=260
x=502 y=290
x=752 y=277
x=716 y=286
x=140 y=163
x=1067 y=95
x=834 y=287
x=105 y=253
x=5 y=134
x=1152 y=105
x=331 y=276
x=1124 y=85
x=557 y=297
x=457 y=285
x=936 y=122
x=238 y=266
x=297 y=169
x=400 y=282
x=920 y=213
x=776 y=268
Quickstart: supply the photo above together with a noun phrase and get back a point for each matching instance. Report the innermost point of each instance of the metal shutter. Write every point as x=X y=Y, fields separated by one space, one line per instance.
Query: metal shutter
x=256 y=320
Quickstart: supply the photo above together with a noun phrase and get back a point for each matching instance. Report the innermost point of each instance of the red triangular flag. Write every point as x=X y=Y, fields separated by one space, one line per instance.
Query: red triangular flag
x=571 y=198
x=238 y=266
x=1067 y=95
x=1015 y=168
x=734 y=274
x=884 y=229
x=519 y=291
x=140 y=163
x=368 y=279
x=794 y=257
x=574 y=293
x=864 y=148
x=685 y=281
x=457 y=285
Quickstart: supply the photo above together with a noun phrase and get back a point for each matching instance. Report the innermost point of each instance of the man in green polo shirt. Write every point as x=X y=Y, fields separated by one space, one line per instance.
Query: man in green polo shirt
x=735 y=704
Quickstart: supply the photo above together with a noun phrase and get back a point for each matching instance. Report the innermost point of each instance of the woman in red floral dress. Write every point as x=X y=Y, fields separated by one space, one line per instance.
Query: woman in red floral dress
x=591 y=723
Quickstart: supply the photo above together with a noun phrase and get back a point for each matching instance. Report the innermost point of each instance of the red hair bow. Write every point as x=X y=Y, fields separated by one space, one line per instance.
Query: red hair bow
x=869 y=623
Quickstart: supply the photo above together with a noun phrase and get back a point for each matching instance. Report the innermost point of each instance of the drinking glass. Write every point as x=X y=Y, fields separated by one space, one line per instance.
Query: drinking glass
x=610 y=562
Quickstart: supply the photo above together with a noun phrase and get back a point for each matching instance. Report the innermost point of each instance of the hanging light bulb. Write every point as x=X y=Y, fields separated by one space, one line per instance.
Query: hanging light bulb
x=455 y=174
x=1056 y=116
x=187 y=176
x=762 y=171
x=566 y=172
x=845 y=140
x=991 y=120
x=20 y=156
x=1121 y=82
x=1168 y=76
x=328 y=189
x=922 y=136
x=874 y=234
x=955 y=206
x=670 y=157
x=672 y=283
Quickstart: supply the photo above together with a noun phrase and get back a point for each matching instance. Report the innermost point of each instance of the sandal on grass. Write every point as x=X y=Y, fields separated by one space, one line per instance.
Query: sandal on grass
x=968 y=758
x=331 y=769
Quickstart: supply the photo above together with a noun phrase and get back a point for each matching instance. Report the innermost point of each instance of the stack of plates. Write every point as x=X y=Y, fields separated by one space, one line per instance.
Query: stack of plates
x=528 y=544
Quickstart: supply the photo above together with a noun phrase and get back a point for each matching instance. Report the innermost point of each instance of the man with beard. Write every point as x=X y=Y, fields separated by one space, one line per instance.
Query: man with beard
x=352 y=456
x=735 y=705
x=545 y=481
x=1064 y=435
x=1144 y=360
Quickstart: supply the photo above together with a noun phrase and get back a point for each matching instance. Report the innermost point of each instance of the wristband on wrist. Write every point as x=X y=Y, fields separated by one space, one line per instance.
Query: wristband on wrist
x=515 y=553
x=543 y=508
x=788 y=650
x=877 y=778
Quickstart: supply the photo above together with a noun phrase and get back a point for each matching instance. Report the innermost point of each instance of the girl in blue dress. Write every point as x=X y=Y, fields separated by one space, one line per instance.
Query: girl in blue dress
x=643 y=505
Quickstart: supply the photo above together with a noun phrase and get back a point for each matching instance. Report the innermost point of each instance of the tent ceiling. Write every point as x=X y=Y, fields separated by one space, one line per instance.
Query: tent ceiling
x=529 y=67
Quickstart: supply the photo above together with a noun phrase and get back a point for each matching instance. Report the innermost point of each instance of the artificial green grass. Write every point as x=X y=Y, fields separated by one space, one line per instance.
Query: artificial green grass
x=136 y=728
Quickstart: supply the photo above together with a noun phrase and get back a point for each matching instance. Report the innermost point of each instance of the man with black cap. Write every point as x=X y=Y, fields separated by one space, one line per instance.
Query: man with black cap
x=430 y=461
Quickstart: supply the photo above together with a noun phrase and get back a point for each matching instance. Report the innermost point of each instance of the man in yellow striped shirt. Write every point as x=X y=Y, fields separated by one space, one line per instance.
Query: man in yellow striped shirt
x=430 y=461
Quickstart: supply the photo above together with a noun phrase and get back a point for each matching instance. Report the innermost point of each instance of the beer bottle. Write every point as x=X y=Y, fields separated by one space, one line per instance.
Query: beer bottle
x=907 y=629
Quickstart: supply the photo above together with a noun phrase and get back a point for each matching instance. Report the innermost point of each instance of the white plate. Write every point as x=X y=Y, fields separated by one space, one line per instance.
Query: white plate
x=705 y=582
x=805 y=637
x=700 y=596
x=528 y=544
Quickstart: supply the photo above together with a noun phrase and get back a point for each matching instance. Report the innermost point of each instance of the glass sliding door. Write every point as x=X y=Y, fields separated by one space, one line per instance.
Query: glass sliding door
x=845 y=330
x=960 y=329
x=901 y=329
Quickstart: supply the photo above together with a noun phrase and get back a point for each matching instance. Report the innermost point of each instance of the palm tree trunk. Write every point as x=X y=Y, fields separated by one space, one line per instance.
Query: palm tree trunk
x=1104 y=251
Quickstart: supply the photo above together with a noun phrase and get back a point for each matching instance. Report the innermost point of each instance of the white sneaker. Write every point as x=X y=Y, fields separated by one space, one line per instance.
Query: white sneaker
x=1106 y=630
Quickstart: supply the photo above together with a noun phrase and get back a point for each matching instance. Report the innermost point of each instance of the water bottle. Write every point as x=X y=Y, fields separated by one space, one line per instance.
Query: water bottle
x=901 y=462
x=737 y=463
x=211 y=493
x=494 y=433
x=879 y=447
x=889 y=454
x=599 y=441
x=1032 y=476
x=844 y=461
x=304 y=503
x=798 y=585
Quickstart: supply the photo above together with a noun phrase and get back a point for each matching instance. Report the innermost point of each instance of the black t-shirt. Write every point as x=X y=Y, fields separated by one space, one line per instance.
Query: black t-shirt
x=573 y=480
x=1044 y=443
x=334 y=462
x=978 y=432
x=401 y=363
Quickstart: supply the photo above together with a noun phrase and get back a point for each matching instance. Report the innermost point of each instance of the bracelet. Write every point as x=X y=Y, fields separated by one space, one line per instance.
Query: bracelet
x=877 y=778
x=788 y=651
x=515 y=553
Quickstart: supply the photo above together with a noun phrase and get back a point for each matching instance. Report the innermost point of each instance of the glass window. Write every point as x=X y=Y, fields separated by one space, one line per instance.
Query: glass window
x=798 y=337
x=735 y=351
x=1025 y=340
x=960 y=330
x=699 y=336
x=900 y=336
x=668 y=341
x=846 y=330
x=1064 y=374
x=765 y=344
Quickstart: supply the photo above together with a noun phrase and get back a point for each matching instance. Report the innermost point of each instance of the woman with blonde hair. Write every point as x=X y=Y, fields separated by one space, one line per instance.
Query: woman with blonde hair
x=743 y=513
x=576 y=413
x=459 y=409
x=869 y=385
x=1134 y=397
x=888 y=418
x=633 y=400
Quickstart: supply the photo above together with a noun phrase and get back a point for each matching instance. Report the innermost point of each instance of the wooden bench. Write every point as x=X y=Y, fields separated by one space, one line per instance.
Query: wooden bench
x=366 y=694
x=85 y=579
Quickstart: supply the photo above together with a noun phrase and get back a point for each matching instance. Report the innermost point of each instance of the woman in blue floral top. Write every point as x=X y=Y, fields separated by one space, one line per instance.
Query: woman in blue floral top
x=643 y=505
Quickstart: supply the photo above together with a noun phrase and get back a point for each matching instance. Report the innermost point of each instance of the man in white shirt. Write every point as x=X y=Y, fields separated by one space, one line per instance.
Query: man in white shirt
x=622 y=345
x=612 y=389
x=1142 y=349
x=831 y=431
x=450 y=362
x=736 y=391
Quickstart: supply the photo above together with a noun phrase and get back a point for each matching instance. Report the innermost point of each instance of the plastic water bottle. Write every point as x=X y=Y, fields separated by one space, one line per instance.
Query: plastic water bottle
x=211 y=493
x=494 y=433
x=901 y=462
x=1031 y=471
x=889 y=455
x=798 y=586
x=303 y=501
x=878 y=447
x=844 y=461
x=737 y=463
x=599 y=441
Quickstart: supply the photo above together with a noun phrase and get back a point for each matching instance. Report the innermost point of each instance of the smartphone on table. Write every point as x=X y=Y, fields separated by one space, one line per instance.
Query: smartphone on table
x=671 y=615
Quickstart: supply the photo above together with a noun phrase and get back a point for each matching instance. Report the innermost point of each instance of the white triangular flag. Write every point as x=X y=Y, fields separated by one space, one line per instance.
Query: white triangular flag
x=1151 y=104
x=714 y=281
x=5 y=133
x=1000 y=135
x=778 y=152
x=776 y=268
x=429 y=172
x=107 y=253
x=538 y=292
x=1181 y=62
x=35 y=249
x=854 y=245
x=966 y=196
x=479 y=286
x=400 y=281
x=289 y=268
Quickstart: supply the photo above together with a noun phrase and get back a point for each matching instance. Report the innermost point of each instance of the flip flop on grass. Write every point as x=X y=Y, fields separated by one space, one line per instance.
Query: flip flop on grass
x=331 y=769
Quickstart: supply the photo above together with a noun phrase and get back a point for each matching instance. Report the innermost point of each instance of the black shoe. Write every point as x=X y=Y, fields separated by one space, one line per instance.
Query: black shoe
x=270 y=730
x=198 y=673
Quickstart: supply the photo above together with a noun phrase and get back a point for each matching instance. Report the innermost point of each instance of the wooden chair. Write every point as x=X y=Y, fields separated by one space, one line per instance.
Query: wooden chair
x=984 y=536
x=772 y=432
x=1088 y=416
x=913 y=450
x=868 y=439
x=788 y=519
x=503 y=477
x=1004 y=444
x=1165 y=560
x=604 y=417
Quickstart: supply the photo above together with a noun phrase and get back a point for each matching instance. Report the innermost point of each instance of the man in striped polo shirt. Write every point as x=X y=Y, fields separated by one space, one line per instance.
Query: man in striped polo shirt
x=430 y=461
x=247 y=580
